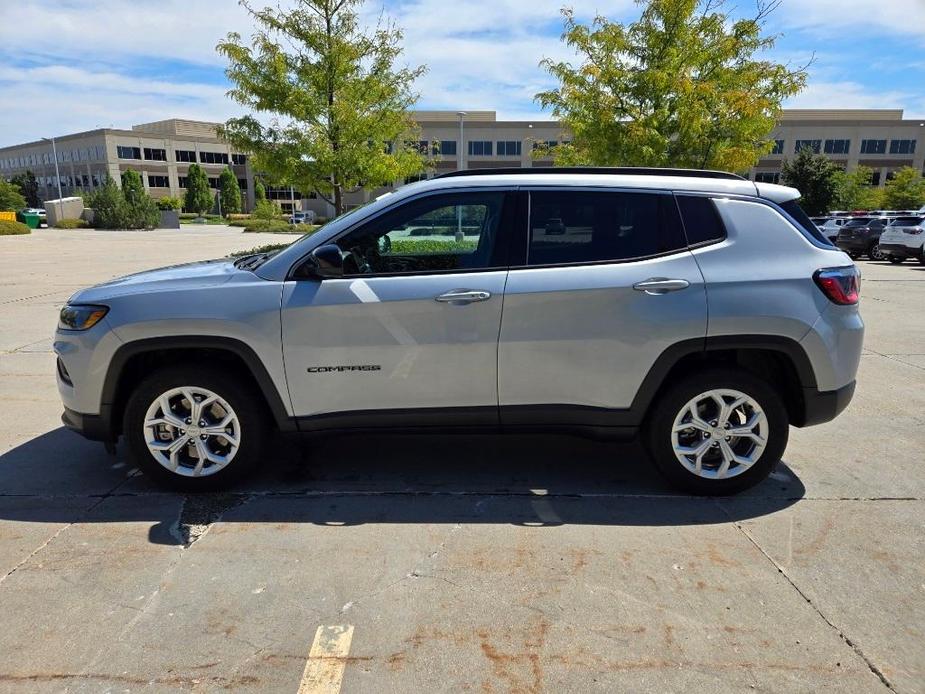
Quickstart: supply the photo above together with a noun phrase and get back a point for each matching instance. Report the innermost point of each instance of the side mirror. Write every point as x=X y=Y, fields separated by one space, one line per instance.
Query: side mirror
x=328 y=263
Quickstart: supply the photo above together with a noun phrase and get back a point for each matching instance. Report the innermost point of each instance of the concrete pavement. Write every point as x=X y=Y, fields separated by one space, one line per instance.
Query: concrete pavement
x=493 y=564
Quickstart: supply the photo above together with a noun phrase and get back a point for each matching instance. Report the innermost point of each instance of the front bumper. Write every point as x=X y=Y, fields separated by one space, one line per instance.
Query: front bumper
x=824 y=406
x=95 y=427
x=900 y=250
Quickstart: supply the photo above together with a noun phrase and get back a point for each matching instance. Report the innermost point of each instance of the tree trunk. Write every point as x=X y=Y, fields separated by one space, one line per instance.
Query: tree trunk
x=338 y=200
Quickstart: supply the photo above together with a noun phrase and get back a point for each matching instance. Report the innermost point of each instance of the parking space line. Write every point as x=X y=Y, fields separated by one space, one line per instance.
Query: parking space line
x=327 y=659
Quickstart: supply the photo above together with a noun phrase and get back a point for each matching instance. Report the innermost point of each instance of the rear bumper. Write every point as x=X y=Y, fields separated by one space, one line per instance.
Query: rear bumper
x=822 y=406
x=91 y=426
x=900 y=250
x=855 y=245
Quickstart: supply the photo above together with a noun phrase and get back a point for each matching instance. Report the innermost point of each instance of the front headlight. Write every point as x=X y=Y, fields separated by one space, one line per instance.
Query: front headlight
x=76 y=317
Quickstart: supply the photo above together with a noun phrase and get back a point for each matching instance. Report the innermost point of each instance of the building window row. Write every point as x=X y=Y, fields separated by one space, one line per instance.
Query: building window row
x=158 y=182
x=213 y=157
x=238 y=159
x=25 y=161
x=778 y=147
x=124 y=152
x=509 y=148
x=480 y=148
x=837 y=146
x=902 y=146
x=185 y=155
x=767 y=177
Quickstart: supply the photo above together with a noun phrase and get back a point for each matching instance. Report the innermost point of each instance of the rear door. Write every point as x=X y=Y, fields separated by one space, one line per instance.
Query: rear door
x=409 y=335
x=604 y=284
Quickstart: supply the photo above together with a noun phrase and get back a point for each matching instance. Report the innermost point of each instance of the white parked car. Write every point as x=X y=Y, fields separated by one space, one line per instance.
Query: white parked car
x=302 y=217
x=904 y=238
x=829 y=226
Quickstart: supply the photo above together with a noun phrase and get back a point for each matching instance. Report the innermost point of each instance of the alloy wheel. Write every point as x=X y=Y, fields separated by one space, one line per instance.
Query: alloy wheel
x=192 y=431
x=719 y=434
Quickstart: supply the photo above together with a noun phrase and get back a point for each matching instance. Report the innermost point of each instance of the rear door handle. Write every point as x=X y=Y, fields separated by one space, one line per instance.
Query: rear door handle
x=660 y=285
x=463 y=296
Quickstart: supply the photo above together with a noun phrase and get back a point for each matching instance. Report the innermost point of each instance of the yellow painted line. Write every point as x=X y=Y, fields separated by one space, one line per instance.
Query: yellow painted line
x=327 y=660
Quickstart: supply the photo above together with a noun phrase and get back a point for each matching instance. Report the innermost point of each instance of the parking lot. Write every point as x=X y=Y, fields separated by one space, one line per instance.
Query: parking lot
x=476 y=563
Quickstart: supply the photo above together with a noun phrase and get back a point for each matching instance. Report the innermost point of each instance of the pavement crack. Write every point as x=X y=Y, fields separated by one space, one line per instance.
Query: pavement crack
x=841 y=634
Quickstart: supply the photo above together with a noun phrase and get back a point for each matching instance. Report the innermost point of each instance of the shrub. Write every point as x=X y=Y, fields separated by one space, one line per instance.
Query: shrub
x=276 y=227
x=268 y=248
x=168 y=203
x=267 y=210
x=72 y=224
x=238 y=216
x=229 y=192
x=418 y=246
x=8 y=228
x=112 y=210
x=10 y=198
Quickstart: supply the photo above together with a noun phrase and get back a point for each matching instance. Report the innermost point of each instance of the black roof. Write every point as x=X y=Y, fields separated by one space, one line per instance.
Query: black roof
x=624 y=170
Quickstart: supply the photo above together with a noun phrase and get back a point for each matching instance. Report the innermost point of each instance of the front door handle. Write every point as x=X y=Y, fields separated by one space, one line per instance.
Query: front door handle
x=660 y=285
x=463 y=296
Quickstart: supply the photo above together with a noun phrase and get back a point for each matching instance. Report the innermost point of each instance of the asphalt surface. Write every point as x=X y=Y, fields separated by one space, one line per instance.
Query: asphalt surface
x=491 y=564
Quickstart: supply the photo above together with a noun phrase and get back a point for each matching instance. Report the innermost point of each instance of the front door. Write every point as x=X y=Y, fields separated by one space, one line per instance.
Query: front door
x=606 y=284
x=409 y=336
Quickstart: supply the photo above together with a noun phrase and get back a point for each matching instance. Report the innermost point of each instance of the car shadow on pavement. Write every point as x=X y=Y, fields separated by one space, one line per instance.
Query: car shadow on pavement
x=530 y=480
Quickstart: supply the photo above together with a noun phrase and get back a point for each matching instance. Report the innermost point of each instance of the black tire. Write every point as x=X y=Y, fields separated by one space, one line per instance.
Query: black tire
x=873 y=252
x=243 y=399
x=921 y=260
x=669 y=404
x=896 y=260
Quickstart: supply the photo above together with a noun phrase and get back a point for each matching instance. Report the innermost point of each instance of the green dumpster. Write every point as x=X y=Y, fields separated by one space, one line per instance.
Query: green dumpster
x=29 y=219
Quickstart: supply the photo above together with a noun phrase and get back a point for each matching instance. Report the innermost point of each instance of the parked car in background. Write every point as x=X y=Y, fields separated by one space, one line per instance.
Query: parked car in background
x=829 y=226
x=904 y=238
x=607 y=278
x=307 y=217
x=861 y=236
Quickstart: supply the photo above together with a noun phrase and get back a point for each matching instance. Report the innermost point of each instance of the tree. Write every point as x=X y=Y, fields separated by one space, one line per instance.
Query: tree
x=336 y=108
x=229 y=192
x=133 y=190
x=681 y=86
x=10 y=197
x=28 y=187
x=198 y=196
x=260 y=193
x=855 y=191
x=905 y=191
x=122 y=209
x=815 y=177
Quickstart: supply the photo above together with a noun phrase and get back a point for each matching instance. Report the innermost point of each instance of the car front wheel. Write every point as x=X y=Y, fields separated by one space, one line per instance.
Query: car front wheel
x=874 y=252
x=194 y=428
x=718 y=432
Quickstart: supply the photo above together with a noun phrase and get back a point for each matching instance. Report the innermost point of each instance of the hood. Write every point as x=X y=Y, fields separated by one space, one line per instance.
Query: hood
x=209 y=273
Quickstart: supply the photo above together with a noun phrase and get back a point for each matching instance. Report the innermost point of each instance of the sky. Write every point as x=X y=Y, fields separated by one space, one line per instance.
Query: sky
x=73 y=65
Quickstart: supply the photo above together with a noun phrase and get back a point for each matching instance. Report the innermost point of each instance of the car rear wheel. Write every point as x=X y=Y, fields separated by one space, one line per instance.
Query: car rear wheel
x=874 y=252
x=194 y=428
x=718 y=432
x=896 y=260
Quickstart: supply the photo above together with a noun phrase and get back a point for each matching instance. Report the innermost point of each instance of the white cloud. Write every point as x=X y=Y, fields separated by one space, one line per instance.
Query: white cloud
x=832 y=17
x=846 y=94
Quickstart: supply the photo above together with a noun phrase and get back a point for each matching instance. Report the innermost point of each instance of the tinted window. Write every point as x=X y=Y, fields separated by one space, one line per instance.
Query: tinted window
x=581 y=227
x=858 y=222
x=907 y=221
x=792 y=207
x=438 y=233
x=701 y=220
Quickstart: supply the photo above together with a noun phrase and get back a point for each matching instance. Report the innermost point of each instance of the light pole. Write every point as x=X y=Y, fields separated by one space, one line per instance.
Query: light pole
x=460 y=160
x=54 y=153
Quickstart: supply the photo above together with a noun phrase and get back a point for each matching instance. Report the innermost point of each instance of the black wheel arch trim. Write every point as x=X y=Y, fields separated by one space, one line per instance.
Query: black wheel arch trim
x=233 y=346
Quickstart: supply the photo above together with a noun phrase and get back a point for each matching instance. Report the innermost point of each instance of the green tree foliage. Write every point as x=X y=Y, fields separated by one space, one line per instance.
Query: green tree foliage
x=856 y=191
x=260 y=193
x=28 y=187
x=905 y=191
x=133 y=190
x=815 y=177
x=334 y=106
x=229 y=192
x=682 y=86
x=267 y=210
x=198 y=196
x=169 y=203
x=10 y=197
x=113 y=210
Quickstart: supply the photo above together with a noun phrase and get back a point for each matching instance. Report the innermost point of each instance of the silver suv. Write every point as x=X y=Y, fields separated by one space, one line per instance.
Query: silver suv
x=704 y=311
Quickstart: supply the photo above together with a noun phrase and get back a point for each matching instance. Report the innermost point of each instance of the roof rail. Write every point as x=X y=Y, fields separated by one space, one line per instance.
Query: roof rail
x=622 y=170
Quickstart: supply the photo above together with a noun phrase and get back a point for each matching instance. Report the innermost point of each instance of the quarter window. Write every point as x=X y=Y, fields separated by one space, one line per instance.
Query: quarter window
x=435 y=234
x=583 y=227
x=701 y=220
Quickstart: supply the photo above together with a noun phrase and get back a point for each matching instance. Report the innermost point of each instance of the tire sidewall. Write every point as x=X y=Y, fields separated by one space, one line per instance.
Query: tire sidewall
x=242 y=400
x=669 y=405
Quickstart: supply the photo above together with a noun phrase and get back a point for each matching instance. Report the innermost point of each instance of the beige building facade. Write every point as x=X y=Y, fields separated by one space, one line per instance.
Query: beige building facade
x=162 y=151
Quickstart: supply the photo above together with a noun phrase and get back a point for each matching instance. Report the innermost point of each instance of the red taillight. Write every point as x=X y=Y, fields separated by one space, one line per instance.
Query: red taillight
x=842 y=285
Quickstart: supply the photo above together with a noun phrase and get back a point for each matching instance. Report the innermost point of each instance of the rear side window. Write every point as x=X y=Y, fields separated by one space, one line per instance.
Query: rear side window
x=792 y=207
x=702 y=223
x=907 y=221
x=590 y=226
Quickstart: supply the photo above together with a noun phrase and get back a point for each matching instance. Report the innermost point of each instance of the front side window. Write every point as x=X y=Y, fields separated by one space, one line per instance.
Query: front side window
x=589 y=226
x=435 y=234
